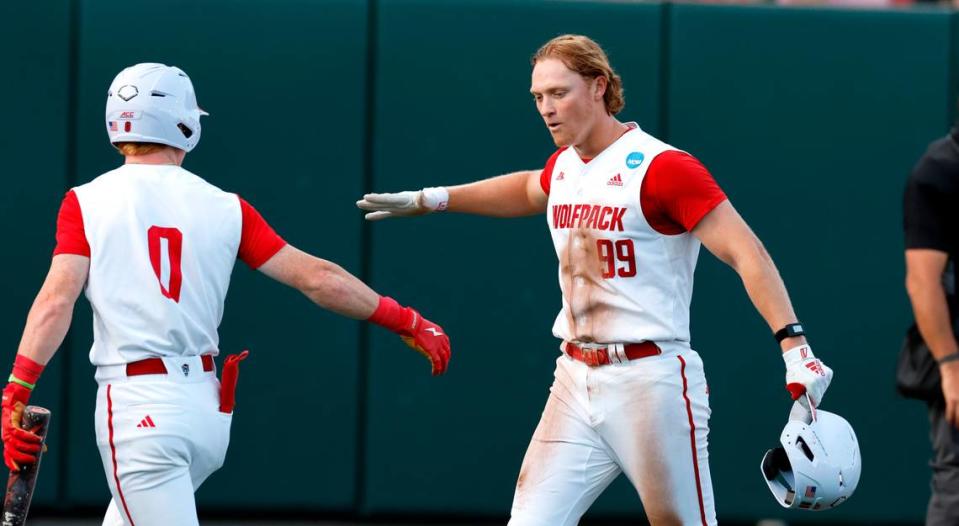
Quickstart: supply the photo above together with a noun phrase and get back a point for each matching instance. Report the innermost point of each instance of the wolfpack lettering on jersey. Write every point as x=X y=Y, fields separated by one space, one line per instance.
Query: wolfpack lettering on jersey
x=588 y=216
x=620 y=225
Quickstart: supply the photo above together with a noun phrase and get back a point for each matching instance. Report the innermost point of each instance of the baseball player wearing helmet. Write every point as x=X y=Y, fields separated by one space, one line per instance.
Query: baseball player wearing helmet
x=153 y=246
x=627 y=214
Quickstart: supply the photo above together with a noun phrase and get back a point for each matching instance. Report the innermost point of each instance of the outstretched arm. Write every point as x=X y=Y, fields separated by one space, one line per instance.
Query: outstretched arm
x=324 y=282
x=512 y=195
x=730 y=239
x=333 y=288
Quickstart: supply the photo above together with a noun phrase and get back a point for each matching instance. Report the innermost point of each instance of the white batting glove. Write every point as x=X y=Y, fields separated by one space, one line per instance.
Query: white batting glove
x=404 y=204
x=806 y=374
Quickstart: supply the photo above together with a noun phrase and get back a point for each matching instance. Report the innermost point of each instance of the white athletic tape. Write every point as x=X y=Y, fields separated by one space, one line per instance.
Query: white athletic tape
x=436 y=199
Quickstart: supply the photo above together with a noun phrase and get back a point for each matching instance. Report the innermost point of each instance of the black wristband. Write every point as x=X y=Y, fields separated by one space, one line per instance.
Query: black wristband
x=948 y=358
x=789 y=331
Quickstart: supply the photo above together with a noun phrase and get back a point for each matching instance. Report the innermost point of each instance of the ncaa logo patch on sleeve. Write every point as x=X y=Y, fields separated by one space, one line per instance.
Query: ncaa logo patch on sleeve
x=634 y=159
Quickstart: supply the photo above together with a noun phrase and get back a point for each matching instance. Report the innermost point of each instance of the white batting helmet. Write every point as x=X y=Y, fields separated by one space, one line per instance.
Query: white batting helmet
x=153 y=103
x=818 y=465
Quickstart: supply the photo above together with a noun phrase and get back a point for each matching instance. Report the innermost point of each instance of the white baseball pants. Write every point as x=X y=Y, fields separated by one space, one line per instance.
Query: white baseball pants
x=647 y=418
x=160 y=436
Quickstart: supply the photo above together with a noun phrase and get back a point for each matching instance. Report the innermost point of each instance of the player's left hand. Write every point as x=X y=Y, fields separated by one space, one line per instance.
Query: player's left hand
x=424 y=336
x=19 y=445
x=430 y=340
x=806 y=374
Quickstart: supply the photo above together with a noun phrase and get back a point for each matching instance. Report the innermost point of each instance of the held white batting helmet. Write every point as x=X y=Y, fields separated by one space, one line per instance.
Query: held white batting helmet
x=153 y=103
x=818 y=465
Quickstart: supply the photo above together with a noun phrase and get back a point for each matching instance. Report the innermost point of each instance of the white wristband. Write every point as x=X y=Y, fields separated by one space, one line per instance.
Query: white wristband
x=797 y=354
x=436 y=199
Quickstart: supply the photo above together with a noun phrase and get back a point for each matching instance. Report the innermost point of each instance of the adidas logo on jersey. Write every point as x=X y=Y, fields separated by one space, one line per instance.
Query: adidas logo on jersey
x=615 y=180
x=146 y=422
x=560 y=176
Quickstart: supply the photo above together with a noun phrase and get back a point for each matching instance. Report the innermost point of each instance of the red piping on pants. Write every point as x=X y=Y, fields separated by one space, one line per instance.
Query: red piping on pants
x=692 y=440
x=113 y=450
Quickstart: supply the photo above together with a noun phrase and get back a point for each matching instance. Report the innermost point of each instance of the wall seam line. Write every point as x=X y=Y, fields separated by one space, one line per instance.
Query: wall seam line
x=366 y=260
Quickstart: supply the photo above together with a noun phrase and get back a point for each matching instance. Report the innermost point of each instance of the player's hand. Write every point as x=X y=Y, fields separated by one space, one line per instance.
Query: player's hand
x=426 y=337
x=403 y=204
x=949 y=372
x=19 y=445
x=806 y=374
x=430 y=340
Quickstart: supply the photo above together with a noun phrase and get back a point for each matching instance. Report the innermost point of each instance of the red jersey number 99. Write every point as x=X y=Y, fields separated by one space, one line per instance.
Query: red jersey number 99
x=618 y=257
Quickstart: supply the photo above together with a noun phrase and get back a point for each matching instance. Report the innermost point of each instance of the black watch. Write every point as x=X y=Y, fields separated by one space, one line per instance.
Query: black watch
x=789 y=331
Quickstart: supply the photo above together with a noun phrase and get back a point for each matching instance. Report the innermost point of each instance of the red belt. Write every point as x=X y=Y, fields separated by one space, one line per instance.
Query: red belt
x=156 y=366
x=600 y=356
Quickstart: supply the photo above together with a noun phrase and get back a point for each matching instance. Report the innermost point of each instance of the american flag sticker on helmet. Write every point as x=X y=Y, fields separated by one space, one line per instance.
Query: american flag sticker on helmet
x=113 y=126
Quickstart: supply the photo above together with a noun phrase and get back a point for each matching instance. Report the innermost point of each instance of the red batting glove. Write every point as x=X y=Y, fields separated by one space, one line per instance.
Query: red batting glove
x=429 y=340
x=19 y=445
x=424 y=336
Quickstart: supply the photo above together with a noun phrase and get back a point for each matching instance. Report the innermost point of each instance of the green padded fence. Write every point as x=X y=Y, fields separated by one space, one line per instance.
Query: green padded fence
x=809 y=118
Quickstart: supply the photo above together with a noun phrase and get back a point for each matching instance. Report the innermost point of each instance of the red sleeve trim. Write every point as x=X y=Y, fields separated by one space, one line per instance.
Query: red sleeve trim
x=677 y=192
x=546 y=176
x=71 y=237
x=258 y=241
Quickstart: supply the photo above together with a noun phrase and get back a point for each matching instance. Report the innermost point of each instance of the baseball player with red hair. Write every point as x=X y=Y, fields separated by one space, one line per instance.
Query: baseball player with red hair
x=153 y=247
x=627 y=214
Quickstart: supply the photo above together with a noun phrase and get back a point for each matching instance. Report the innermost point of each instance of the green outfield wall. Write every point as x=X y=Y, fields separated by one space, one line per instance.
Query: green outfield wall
x=810 y=119
x=36 y=146
x=812 y=133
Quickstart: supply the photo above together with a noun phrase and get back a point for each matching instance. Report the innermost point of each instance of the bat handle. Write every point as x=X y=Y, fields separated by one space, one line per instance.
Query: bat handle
x=20 y=484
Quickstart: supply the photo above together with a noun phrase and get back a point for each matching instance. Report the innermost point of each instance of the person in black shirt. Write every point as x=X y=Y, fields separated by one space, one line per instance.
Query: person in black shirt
x=931 y=223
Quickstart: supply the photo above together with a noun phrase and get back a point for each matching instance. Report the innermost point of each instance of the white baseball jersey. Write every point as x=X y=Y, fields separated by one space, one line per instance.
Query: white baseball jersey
x=620 y=224
x=162 y=244
x=625 y=263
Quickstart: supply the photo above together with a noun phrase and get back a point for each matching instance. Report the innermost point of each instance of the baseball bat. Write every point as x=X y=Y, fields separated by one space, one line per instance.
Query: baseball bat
x=20 y=484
